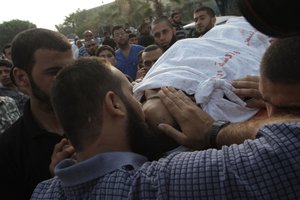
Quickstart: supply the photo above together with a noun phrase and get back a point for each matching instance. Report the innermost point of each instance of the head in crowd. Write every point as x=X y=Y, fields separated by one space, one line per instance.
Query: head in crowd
x=176 y=18
x=111 y=108
x=280 y=76
x=120 y=36
x=78 y=43
x=38 y=55
x=132 y=38
x=163 y=32
x=205 y=19
x=106 y=34
x=7 y=51
x=263 y=15
x=107 y=53
x=88 y=35
x=144 y=28
x=150 y=55
x=140 y=60
x=91 y=47
x=5 y=67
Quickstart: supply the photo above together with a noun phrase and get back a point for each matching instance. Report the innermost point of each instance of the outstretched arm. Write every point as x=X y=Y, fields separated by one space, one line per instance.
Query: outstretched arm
x=196 y=124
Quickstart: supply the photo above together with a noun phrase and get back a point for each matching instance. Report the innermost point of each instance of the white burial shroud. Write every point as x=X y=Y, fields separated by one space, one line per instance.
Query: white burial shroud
x=204 y=67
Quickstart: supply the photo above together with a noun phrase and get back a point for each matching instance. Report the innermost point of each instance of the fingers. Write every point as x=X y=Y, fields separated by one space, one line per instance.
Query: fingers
x=255 y=103
x=252 y=93
x=250 y=82
x=247 y=88
x=192 y=120
x=248 y=78
x=59 y=146
x=61 y=151
x=173 y=133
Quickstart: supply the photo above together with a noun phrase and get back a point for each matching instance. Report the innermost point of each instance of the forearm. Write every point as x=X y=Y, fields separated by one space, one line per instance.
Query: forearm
x=236 y=133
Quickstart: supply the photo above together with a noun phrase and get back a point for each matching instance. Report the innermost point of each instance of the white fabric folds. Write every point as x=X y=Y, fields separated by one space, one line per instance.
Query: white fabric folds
x=204 y=66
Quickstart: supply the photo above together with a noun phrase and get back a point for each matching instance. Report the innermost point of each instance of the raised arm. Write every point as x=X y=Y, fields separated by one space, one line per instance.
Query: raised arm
x=196 y=125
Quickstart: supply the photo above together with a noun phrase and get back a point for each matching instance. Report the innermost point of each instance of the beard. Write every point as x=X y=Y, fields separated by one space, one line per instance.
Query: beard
x=123 y=43
x=40 y=95
x=148 y=141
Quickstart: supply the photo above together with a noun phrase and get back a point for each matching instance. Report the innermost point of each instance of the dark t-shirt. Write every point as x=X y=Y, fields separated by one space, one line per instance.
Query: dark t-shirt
x=110 y=42
x=25 y=155
x=145 y=40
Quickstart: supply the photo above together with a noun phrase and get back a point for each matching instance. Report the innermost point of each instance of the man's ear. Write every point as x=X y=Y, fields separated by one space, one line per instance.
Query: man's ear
x=214 y=19
x=114 y=104
x=21 y=78
x=174 y=31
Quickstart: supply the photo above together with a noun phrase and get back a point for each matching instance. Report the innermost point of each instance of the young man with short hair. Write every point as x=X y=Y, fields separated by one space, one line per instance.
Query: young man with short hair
x=205 y=19
x=127 y=54
x=163 y=32
x=26 y=147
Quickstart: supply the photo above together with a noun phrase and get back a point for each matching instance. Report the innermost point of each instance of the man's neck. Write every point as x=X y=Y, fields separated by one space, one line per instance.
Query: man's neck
x=126 y=50
x=45 y=117
x=125 y=47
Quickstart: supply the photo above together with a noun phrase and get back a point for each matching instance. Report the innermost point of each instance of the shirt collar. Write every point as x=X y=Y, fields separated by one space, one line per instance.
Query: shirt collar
x=72 y=172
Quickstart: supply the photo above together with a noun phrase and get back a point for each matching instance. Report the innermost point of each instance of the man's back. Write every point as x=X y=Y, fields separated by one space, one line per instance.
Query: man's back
x=265 y=168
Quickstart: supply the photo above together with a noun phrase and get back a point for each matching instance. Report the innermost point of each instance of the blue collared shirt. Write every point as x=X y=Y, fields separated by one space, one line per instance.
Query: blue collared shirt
x=265 y=168
x=128 y=65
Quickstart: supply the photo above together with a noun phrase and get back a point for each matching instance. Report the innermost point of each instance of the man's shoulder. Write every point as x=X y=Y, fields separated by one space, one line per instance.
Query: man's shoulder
x=50 y=188
x=137 y=46
x=11 y=136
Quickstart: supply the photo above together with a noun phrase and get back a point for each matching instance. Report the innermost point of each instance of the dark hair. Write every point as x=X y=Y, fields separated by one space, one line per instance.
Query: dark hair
x=208 y=10
x=77 y=98
x=264 y=16
x=103 y=48
x=281 y=61
x=117 y=27
x=162 y=19
x=26 y=43
x=6 y=63
x=6 y=47
x=174 y=13
x=143 y=26
x=152 y=47
x=131 y=35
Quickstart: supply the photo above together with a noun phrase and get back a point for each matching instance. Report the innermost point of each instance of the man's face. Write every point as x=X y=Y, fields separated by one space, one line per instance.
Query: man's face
x=133 y=40
x=280 y=98
x=88 y=36
x=120 y=37
x=143 y=139
x=203 y=22
x=109 y=56
x=7 y=53
x=4 y=76
x=163 y=34
x=150 y=57
x=47 y=64
x=177 y=18
x=91 y=47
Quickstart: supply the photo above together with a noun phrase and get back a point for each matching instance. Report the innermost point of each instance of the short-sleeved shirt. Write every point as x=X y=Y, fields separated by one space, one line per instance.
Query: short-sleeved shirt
x=128 y=65
x=25 y=155
x=264 y=168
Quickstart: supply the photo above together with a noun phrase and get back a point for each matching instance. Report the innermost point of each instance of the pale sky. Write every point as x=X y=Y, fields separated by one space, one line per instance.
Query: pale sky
x=44 y=13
